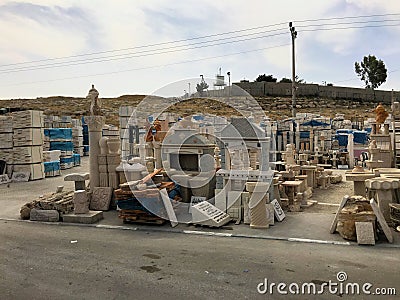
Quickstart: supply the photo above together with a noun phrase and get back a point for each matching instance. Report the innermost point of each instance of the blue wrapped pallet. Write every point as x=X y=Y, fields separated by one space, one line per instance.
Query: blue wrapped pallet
x=58 y=133
x=63 y=146
x=77 y=159
x=52 y=168
x=66 y=162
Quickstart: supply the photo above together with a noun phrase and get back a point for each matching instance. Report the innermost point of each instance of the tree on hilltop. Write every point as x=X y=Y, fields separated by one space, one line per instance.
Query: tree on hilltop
x=372 y=71
x=266 y=78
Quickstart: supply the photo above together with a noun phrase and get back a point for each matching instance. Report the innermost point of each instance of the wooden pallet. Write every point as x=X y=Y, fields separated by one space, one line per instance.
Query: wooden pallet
x=139 y=216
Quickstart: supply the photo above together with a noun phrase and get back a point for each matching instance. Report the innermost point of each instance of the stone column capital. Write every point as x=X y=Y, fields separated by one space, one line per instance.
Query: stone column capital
x=95 y=123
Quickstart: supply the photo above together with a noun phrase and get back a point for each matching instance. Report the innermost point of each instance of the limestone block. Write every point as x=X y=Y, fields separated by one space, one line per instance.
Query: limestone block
x=20 y=176
x=36 y=171
x=101 y=198
x=81 y=202
x=365 y=233
x=87 y=218
x=44 y=215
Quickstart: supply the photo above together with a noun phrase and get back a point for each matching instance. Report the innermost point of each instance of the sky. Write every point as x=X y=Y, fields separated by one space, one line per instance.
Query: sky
x=62 y=47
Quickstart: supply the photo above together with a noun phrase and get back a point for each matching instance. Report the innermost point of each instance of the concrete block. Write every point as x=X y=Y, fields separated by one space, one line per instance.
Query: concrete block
x=44 y=215
x=365 y=233
x=88 y=218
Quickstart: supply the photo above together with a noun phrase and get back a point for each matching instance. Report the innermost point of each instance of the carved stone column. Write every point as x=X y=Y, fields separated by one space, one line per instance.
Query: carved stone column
x=95 y=125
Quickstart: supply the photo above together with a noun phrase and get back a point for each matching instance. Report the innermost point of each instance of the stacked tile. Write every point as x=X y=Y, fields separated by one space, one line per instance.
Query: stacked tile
x=61 y=139
x=77 y=136
x=65 y=122
x=51 y=121
x=28 y=143
x=6 y=139
x=51 y=161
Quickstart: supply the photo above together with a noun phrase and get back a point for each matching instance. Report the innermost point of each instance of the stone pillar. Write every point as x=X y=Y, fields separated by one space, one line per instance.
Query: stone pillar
x=95 y=125
x=157 y=154
x=350 y=149
x=264 y=156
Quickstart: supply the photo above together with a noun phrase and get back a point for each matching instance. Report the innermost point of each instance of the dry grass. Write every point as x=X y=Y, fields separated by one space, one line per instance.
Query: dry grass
x=78 y=107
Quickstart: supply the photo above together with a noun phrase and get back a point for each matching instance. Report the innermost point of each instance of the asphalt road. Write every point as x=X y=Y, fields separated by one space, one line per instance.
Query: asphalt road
x=39 y=261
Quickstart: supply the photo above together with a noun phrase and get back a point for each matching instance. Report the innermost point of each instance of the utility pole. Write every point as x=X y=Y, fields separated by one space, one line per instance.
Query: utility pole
x=293 y=33
x=229 y=84
x=189 y=88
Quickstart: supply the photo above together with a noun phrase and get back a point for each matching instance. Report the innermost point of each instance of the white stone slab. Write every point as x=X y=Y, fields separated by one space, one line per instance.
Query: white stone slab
x=365 y=233
x=205 y=213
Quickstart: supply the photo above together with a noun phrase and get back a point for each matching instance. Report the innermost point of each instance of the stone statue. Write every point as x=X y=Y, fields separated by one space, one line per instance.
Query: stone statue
x=95 y=104
x=381 y=114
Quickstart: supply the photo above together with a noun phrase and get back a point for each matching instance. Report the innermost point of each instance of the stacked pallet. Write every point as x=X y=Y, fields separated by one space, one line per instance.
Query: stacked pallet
x=142 y=210
x=77 y=136
x=28 y=143
x=61 y=139
x=51 y=161
x=6 y=139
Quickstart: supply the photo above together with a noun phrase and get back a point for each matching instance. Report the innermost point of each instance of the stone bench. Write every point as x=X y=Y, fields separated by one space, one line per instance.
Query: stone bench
x=79 y=179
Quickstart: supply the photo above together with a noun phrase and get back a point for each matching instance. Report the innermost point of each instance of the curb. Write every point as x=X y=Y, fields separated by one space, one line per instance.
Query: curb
x=203 y=233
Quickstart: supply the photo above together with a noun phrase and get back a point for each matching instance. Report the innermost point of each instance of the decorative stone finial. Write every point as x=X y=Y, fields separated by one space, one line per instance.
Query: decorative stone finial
x=95 y=104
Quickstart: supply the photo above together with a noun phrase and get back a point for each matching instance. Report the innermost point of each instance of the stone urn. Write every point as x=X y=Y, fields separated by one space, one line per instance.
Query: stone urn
x=113 y=146
x=103 y=143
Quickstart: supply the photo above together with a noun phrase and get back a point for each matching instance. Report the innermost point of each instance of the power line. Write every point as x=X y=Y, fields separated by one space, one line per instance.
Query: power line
x=200 y=37
x=66 y=64
x=150 y=45
x=349 y=23
x=186 y=47
x=149 y=67
x=343 y=18
x=349 y=27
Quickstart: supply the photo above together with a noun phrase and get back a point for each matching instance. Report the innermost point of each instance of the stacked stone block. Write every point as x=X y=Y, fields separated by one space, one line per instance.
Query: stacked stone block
x=28 y=143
